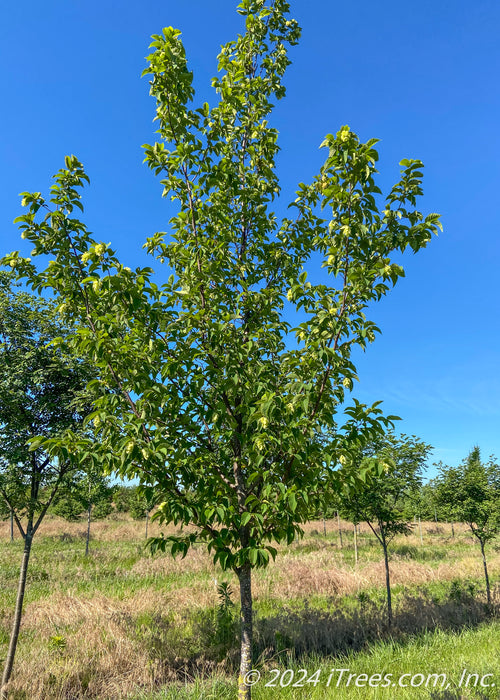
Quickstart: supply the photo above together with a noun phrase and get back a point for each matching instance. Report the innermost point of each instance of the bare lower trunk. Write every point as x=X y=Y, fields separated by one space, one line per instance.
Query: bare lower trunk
x=87 y=541
x=486 y=577
x=9 y=661
x=339 y=529
x=12 y=525
x=387 y=584
x=452 y=530
x=355 y=543
x=245 y=577
x=147 y=523
x=420 y=531
x=324 y=526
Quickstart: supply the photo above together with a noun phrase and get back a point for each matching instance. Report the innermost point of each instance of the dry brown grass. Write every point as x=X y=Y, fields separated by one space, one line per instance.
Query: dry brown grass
x=315 y=573
x=119 y=527
x=100 y=659
x=108 y=652
x=196 y=561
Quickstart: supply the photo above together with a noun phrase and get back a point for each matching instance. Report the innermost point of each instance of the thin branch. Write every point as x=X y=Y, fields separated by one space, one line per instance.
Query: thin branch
x=117 y=380
x=55 y=488
x=379 y=538
x=14 y=514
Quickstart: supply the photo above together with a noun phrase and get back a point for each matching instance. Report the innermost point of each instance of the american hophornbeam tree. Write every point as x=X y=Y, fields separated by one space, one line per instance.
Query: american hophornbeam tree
x=206 y=390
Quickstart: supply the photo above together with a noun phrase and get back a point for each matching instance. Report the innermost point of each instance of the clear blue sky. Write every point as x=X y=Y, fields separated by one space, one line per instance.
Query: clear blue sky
x=422 y=77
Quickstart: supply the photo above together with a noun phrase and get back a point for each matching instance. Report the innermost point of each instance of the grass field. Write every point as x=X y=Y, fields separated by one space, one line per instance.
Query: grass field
x=121 y=624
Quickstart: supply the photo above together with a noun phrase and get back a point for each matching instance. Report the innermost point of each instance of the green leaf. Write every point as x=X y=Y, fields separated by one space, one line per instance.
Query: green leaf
x=245 y=518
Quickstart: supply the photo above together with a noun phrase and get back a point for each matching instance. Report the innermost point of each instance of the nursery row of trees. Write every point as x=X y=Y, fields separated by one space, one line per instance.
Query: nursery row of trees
x=396 y=495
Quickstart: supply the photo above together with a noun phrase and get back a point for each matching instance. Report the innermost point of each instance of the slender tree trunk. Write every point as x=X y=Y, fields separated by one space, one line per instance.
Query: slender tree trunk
x=12 y=525
x=87 y=541
x=486 y=577
x=246 y=636
x=355 y=543
x=387 y=583
x=435 y=516
x=324 y=525
x=340 y=530
x=9 y=661
x=420 y=531
x=147 y=523
x=452 y=530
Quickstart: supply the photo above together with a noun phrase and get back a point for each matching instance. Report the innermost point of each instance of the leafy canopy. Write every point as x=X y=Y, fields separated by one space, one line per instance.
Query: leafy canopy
x=395 y=478
x=206 y=391
x=42 y=398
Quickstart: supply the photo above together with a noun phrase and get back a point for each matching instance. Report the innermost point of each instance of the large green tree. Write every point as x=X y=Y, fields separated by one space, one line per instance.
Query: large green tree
x=470 y=493
x=41 y=398
x=222 y=398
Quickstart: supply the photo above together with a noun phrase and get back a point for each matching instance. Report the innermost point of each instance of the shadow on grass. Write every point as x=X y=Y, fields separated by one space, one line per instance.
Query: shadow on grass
x=363 y=621
x=454 y=695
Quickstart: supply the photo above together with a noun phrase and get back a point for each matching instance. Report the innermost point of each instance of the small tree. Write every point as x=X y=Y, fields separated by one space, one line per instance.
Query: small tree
x=142 y=503
x=40 y=397
x=395 y=475
x=89 y=492
x=123 y=497
x=67 y=504
x=424 y=503
x=470 y=493
x=218 y=403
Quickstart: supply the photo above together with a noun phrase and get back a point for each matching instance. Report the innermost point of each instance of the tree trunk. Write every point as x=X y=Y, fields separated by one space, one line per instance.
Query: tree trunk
x=420 y=531
x=486 y=577
x=355 y=543
x=89 y=514
x=340 y=531
x=147 y=523
x=12 y=525
x=9 y=661
x=246 y=635
x=387 y=583
x=452 y=530
x=324 y=526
